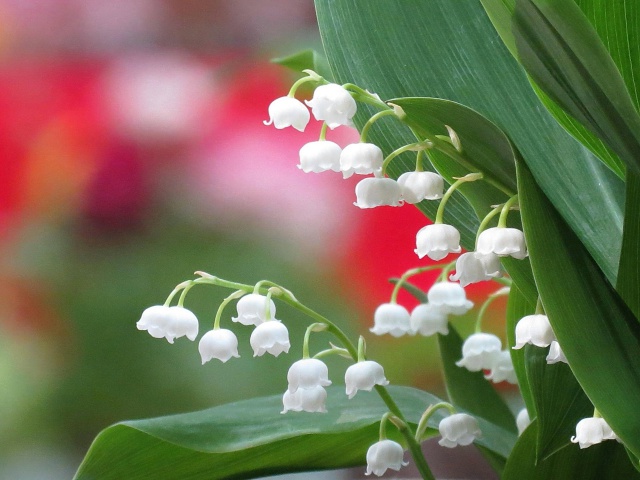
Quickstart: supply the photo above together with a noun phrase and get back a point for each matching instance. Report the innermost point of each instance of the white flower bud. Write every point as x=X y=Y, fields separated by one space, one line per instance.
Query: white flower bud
x=534 y=329
x=288 y=112
x=363 y=376
x=458 y=429
x=252 y=309
x=428 y=319
x=437 y=241
x=320 y=156
x=502 y=370
x=383 y=455
x=333 y=104
x=449 y=297
x=522 y=420
x=556 y=354
x=391 y=318
x=307 y=373
x=376 y=192
x=305 y=400
x=504 y=242
x=361 y=159
x=220 y=343
x=480 y=351
x=270 y=337
x=590 y=431
x=418 y=186
x=473 y=267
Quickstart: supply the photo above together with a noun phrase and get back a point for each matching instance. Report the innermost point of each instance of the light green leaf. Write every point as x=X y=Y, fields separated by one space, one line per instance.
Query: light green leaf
x=605 y=461
x=251 y=438
x=450 y=50
x=598 y=333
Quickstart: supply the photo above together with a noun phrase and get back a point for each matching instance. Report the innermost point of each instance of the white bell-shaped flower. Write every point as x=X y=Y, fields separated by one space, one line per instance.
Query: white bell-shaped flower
x=361 y=158
x=458 y=429
x=219 y=343
x=418 y=186
x=307 y=373
x=305 y=400
x=270 y=337
x=449 y=297
x=522 y=420
x=590 y=431
x=288 y=112
x=391 y=318
x=252 y=309
x=534 y=329
x=427 y=319
x=333 y=104
x=480 y=351
x=437 y=241
x=364 y=376
x=155 y=320
x=384 y=455
x=320 y=156
x=556 y=354
x=502 y=370
x=377 y=192
x=473 y=267
x=503 y=241
x=182 y=323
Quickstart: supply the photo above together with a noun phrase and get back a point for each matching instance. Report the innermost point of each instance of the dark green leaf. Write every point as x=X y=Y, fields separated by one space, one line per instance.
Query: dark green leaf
x=629 y=269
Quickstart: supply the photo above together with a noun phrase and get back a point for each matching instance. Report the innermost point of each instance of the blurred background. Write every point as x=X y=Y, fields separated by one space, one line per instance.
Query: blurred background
x=133 y=153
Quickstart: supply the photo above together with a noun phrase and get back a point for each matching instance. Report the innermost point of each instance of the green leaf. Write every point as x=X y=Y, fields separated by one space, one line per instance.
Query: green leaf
x=306 y=60
x=450 y=50
x=251 y=438
x=564 y=55
x=605 y=461
x=629 y=269
x=598 y=333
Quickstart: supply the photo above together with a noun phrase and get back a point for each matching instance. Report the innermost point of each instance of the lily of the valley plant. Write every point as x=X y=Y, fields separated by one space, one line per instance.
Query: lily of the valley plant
x=533 y=186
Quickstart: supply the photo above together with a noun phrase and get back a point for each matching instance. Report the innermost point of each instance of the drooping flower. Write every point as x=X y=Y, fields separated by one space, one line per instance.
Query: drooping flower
x=288 y=112
x=219 y=343
x=252 y=309
x=418 y=186
x=437 y=241
x=458 y=429
x=503 y=241
x=449 y=297
x=376 y=192
x=307 y=373
x=555 y=354
x=270 y=337
x=534 y=329
x=320 y=156
x=305 y=400
x=169 y=322
x=361 y=158
x=391 y=318
x=383 y=455
x=522 y=420
x=473 y=267
x=502 y=370
x=480 y=351
x=364 y=376
x=333 y=104
x=428 y=319
x=590 y=431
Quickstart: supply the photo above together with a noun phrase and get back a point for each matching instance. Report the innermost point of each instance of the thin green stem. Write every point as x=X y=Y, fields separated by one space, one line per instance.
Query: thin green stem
x=174 y=292
x=444 y=275
x=363 y=96
x=428 y=413
x=311 y=78
x=596 y=413
x=382 y=435
x=323 y=132
x=183 y=295
x=486 y=220
x=362 y=348
x=419 y=164
x=408 y=274
x=343 y=352
x=267 y=305
x=225 y=302
x=371 y=121
x=405 y=148
x=502 y=222
x=539 y=307
x=471 y=177
x=500 y=293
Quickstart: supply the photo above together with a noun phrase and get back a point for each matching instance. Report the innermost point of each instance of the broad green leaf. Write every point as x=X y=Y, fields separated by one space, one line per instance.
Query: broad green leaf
x=629 y=270
x=450 y=50
x=306 y=60
x=598 y=333
x=605 y=461
x=251 y=438
x=564 y=55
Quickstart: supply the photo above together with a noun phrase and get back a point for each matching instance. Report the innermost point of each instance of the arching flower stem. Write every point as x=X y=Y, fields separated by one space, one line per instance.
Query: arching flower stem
x=418 y=146
x=428 y=413
x=175 y=291
x=311 y=77
x=502 y=222
x=372 y=120
x=408 y=274
x=235 y=295
x=471 y=177
x=485 y=221
x=500 y=293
